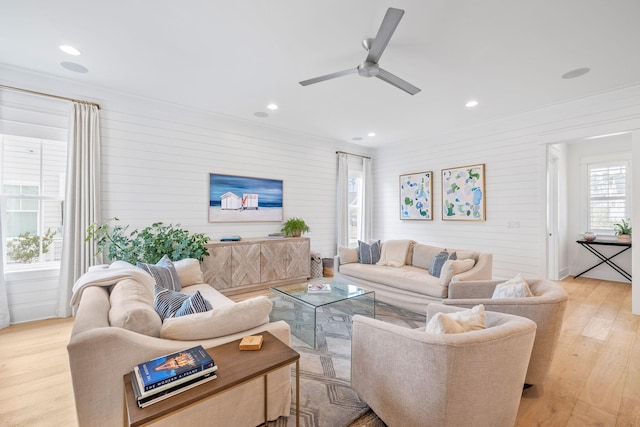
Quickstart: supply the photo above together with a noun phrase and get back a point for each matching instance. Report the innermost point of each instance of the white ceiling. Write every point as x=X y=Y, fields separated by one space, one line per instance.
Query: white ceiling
x=234 y=57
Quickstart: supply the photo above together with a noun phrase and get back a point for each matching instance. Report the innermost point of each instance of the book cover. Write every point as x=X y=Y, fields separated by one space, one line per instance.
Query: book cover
x=318 y=287
x=144 y=401
x=140 y=393
x=172 y=367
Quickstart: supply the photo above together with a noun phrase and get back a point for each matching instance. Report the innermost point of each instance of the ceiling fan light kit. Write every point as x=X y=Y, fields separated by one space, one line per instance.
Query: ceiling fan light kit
x=375 y=48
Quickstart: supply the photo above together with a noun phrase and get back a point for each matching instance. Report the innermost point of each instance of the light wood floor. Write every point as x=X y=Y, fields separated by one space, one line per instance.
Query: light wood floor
x=595 y=378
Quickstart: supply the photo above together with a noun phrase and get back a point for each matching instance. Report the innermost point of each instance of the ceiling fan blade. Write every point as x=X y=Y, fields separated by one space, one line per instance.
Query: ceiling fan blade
x=329 y=76
x=386 y=30
x=397 y=82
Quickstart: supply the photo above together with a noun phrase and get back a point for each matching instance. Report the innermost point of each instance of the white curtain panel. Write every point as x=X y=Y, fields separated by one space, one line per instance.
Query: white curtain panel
x=367 y=201
x=5 y=319
x=342 y=219
x=82 y=199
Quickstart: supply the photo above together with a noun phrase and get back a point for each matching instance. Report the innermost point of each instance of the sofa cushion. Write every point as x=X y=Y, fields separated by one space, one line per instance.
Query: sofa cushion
x=369 y=253
x=452 y=267
x=164 y=273
x=222 y=321
x=457 y=322
x=170 y=303
x=423 y=255
x=437 y=263
x=394 y=253
x=408 y=278
x=347 y=255
x=512 y=288
x=131 y=308
x=189 y=271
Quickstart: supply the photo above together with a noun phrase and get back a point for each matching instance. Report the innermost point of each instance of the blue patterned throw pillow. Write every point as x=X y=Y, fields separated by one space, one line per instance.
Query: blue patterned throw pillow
x=169 y=303
x=369 y=253
x=438 y=262
x=164 y=273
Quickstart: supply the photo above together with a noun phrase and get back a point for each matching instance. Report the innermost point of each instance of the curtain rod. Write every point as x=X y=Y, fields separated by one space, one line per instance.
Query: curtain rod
x=352 y=154
x=33 y=92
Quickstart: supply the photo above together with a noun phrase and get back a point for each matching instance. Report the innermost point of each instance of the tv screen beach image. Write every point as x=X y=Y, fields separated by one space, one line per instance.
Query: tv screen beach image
x=240 y=198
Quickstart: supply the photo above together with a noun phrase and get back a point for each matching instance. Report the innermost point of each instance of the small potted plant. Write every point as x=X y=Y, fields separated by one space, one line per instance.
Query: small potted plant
x=294 y=227
x=623 y=231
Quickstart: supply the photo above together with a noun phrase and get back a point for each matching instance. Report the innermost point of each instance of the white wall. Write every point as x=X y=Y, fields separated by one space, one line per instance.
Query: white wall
x=514 y=152
x=580 y=258
x=156 y=159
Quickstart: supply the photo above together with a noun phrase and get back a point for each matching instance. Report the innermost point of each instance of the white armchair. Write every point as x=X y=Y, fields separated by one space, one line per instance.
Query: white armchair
x=410 y=377
x=546 y=308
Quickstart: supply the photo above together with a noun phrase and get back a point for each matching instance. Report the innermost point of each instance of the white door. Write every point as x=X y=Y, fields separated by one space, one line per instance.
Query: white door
x=552 y=216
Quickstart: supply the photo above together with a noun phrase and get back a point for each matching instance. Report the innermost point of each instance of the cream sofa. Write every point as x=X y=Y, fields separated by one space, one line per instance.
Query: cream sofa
x=101 y=353
x=402 y=277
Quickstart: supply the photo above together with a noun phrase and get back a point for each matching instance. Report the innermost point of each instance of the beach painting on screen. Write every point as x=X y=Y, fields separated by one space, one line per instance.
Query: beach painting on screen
x=241 y=198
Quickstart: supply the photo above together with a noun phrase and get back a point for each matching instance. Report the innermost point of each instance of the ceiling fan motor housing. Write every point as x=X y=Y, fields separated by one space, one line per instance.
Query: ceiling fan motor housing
x=368 y=69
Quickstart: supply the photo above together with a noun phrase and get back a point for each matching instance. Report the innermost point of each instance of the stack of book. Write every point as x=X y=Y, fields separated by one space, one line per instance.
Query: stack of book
x=317 y=288
x=166 y=376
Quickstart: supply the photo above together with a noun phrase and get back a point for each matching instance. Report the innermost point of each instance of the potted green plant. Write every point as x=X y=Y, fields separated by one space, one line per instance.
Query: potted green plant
x=147 y=245
x=294 y=227
x=623 y=230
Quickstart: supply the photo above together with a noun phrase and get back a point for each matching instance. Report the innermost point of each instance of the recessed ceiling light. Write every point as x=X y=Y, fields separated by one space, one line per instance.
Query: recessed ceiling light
x=76 y=68
x=472 y=103
x=576 y=73
x=261 y=114
x=356 y=138
x=70 y=50
x=272 y=107
x=371 y=134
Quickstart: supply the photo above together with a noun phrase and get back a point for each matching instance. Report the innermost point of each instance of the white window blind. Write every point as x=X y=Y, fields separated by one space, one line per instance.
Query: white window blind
x=608 y=198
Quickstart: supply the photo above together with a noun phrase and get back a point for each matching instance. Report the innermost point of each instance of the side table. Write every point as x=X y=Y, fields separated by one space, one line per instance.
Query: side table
x=235 y=367
x=589 y=245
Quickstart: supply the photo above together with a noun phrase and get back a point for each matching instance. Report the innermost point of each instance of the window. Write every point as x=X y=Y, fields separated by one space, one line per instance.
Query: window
x=608 y=198
x=31 y=194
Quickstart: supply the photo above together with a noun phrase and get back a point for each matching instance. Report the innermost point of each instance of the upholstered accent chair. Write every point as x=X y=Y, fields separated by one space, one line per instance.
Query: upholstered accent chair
x=410 y=377
x=546 y=307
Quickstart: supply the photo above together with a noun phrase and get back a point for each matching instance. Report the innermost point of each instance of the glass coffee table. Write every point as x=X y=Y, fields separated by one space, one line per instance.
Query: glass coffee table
x=304 y=306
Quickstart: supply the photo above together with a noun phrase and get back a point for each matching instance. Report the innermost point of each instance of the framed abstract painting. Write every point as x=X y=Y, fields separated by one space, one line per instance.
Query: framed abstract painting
x=242 y=198
x=416 y=200
x=463 y=194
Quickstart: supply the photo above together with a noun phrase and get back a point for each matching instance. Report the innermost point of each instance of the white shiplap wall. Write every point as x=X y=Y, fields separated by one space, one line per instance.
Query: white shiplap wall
x=513 y=151
x=156 y=168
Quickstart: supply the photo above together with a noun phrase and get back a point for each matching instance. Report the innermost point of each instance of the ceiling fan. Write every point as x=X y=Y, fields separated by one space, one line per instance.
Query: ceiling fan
x=375 y=47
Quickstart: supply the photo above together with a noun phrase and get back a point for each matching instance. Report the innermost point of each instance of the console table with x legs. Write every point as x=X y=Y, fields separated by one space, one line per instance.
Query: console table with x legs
x=589 y=245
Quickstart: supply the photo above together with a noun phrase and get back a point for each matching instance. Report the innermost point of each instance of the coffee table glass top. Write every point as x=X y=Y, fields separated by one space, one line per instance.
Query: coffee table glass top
x=339 y=292
x=301 y=309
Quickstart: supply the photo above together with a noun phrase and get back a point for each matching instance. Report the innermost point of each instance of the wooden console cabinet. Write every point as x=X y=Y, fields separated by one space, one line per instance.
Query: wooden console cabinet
x=251 y=264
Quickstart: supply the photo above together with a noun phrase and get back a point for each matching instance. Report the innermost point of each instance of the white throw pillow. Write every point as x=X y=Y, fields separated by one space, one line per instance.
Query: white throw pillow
x=472 y=319
x=512 y=288
x=394 y=252
x=189 y=271
x=221 y=321
x=347 y=255
x=451 y=268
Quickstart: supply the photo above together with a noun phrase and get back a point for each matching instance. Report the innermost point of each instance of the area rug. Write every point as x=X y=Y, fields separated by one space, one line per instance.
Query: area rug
x=326 y=397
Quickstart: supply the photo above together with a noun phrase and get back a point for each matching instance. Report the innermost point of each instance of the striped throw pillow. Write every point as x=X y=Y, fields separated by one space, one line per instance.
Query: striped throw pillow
x=369 y=253
x=164 y=273
x=170 y=303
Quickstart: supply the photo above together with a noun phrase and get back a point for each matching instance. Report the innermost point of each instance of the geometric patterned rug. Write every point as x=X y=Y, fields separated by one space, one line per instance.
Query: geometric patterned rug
x=326 y=397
